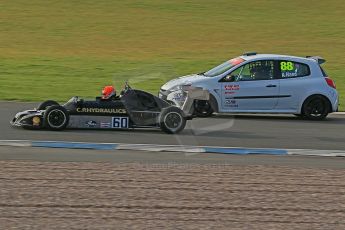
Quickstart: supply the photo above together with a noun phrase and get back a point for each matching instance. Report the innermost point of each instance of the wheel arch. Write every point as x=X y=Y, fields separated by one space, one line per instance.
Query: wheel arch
x=330 y=109
x=214 y=103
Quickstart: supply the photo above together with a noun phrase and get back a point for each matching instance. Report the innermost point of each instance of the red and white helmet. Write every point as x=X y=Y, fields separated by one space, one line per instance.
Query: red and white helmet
x=108 y=92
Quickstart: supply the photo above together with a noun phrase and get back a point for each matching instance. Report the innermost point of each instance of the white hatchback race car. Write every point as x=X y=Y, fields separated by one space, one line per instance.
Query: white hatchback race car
x=261 y=83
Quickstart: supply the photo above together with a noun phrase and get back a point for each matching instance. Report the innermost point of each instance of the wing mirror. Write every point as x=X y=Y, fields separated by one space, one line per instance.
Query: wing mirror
x=232 y=78
x=228 y=78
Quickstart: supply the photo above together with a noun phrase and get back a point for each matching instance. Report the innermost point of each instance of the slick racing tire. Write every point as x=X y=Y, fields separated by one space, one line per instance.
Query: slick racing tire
x=315 y=108
x=44 y=105
x=202 y=108
x=171 y=120
x=56 y=117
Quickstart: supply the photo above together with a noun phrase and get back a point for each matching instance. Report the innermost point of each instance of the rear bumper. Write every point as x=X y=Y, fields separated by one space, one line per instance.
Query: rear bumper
x=335 y=106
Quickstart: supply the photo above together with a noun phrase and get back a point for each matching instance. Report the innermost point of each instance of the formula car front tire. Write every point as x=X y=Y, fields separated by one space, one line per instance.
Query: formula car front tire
x=171 y=120
x=44 y=105
x=56 y=117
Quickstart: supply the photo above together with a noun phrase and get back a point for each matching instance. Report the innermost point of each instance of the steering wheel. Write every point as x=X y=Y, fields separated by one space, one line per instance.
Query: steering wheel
x=126 y=89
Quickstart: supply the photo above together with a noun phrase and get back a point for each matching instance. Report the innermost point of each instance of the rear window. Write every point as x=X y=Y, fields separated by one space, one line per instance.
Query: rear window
x=290 y=69
x=323 y=72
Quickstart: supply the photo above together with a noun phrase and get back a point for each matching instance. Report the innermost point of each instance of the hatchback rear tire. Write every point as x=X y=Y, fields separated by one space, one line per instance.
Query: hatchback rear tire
x=315 y=108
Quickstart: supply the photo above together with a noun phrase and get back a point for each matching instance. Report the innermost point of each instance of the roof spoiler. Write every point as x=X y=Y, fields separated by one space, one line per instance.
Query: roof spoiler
x=319 y=59
x=250 y=53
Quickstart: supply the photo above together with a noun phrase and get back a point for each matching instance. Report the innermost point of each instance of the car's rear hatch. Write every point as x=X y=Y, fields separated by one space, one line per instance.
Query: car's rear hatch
x=320 y=61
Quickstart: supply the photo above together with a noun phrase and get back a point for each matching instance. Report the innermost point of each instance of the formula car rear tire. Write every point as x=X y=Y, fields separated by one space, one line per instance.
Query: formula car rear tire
x=171 y=120
x=44 y=105
x=56 y=117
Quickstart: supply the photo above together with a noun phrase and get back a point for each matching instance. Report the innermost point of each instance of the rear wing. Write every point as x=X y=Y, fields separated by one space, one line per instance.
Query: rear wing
x=319 y=59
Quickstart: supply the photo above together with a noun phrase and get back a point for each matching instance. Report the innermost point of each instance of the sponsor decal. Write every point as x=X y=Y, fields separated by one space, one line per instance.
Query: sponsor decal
x=232 y=87
x=119 y=122
x=91 y=124
x=105 y=124
x=179 y=97
x=231 y=92
x=230 y=103
x=36 y=121
x=101 y=110
x=286 y=66
x=289 y=74
x=288 y=69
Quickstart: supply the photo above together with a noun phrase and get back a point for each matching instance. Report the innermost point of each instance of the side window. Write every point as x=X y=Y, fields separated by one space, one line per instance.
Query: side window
x=253 y=71
x=290 y=69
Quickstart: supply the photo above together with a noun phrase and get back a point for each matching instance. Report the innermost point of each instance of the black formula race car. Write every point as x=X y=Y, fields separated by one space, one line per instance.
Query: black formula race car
x=132 y=109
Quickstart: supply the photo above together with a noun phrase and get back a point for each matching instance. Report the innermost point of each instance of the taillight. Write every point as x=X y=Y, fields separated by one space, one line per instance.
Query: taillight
x=330 y=82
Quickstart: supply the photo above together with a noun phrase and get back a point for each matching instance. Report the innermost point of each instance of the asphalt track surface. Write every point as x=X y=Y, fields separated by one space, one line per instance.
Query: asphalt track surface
x=252 y=131
x=46 y=188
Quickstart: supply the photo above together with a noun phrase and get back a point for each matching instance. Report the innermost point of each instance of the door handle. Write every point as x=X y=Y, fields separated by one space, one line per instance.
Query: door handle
x=271 y=85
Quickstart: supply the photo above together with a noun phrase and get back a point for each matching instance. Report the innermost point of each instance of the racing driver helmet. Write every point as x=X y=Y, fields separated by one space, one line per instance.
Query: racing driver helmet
x=108 y=92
